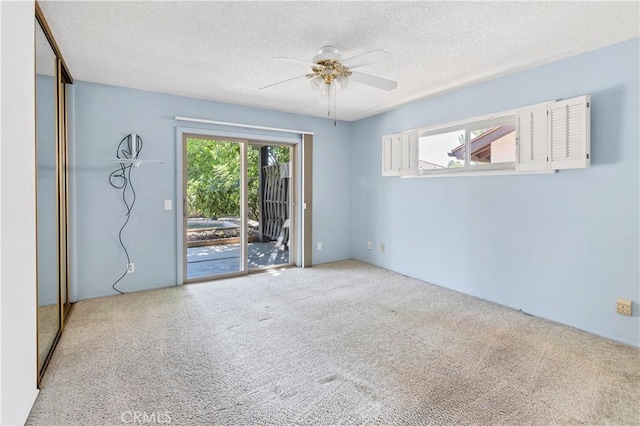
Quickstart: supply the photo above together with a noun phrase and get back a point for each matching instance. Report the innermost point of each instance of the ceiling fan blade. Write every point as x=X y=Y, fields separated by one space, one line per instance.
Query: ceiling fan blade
x=372 y=80
x=295 y=61
x=283 y=81
x=366 y=59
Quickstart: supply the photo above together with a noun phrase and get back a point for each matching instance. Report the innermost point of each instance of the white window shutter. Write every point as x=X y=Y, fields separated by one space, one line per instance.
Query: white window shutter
x=396 y=153
x=409 y=153
x=532 y=136
x=570 y=133
x=391 y=155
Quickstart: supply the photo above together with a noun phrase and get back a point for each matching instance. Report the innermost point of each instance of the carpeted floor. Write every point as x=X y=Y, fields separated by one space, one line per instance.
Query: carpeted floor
x=342 y=343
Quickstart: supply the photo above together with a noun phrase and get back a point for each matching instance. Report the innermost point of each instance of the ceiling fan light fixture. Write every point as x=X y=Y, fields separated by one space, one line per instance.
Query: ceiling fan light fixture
x=342 y=82
x=328 y=89
x=316 y=82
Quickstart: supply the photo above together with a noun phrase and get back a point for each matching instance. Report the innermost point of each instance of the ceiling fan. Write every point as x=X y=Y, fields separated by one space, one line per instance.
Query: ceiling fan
x=329 y=68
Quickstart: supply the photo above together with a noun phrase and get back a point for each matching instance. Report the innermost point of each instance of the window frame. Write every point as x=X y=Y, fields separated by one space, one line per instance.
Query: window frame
x=549 y=136
x=507 y=118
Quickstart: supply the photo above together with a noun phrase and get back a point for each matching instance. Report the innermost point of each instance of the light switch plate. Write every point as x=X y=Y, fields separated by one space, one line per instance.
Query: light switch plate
x=167 y=204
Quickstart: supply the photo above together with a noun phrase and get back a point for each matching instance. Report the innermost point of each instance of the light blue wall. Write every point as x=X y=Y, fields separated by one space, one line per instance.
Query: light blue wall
x=103 y=115
x=561 y=246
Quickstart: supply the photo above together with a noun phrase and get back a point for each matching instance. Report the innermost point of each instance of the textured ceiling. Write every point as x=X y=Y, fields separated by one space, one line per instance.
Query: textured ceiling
x=222 y=50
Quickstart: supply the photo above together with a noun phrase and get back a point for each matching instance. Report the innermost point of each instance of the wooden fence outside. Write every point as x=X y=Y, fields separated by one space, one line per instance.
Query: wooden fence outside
x=275 y=200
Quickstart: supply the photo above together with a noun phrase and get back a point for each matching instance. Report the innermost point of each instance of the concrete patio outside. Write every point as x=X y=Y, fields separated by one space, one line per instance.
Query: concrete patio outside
x=225 y=258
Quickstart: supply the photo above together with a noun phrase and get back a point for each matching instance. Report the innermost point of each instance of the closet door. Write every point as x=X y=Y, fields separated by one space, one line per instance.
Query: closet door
x=51 y=78
x=47 y=197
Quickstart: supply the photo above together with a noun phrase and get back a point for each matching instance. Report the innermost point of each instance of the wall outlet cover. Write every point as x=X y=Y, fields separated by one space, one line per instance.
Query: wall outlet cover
x=623 y=306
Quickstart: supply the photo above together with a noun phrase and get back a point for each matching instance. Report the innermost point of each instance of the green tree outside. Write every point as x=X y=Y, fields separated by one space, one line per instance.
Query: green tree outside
x=213 y=177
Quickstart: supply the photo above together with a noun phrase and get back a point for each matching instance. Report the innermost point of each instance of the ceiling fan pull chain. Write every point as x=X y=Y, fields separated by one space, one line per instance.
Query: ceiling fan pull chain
x=335 y=107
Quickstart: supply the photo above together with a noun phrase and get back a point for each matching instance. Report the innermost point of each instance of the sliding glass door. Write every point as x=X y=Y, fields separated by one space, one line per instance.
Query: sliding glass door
x=214 y=207
x=238 y=206
x=270 y=205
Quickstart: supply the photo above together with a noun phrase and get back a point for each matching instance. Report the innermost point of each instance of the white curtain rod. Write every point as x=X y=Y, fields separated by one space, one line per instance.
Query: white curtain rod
x=247 y=126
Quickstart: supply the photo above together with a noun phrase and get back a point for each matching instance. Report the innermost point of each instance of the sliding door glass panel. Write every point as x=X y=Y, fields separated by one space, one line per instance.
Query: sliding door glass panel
x=269 y=212
x=213 y=208
x=47 y=197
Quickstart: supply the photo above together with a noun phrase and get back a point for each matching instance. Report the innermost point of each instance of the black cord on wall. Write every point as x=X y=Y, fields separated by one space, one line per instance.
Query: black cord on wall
x=128 y=149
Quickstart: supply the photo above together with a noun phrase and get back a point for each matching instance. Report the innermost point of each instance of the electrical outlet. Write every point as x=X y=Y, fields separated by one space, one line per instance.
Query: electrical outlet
x=167 y=204
x=319 y=246
x=131 y=268
x=369 y=245
x=382 y=247
x=623 y=306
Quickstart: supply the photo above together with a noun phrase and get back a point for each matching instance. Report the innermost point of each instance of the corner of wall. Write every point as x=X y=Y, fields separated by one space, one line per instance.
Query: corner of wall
x=17 y=220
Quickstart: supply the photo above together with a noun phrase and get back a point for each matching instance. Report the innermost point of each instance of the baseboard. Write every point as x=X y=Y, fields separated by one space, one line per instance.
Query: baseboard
x=604 y=336
x=586 y=330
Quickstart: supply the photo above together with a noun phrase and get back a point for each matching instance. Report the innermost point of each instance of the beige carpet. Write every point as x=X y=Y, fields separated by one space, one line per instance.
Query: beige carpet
x=342 y=343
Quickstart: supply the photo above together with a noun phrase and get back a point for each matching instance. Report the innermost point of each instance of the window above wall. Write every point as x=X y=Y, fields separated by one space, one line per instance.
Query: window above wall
x=477 y=145
x=538 y=138
x=441 y=151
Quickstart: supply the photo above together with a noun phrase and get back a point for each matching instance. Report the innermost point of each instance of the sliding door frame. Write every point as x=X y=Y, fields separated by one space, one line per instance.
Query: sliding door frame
x=301 y=228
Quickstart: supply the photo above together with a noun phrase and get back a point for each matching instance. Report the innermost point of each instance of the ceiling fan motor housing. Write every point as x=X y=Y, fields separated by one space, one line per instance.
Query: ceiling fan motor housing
x=328 y=65
x=328 y=53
